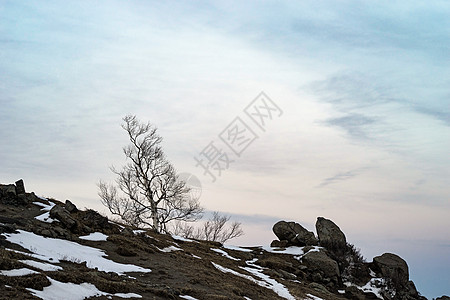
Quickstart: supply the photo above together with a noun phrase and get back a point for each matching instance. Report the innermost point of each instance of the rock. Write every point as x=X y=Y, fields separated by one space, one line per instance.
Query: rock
x=443 y=298
x=61 y=214
x=7 y=190
x=95 y=221
x=20 y=187
x=70 y=207
x=392 y=266
x=330 y=235
x=279 y=244
x=411 y=289
x=294 y=233
x=319 y=261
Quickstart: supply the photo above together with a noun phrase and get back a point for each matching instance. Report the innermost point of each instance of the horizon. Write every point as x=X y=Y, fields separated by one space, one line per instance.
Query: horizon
x=356 y=124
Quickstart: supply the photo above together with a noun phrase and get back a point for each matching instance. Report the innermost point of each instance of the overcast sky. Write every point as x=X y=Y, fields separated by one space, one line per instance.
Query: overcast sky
x=360 y=134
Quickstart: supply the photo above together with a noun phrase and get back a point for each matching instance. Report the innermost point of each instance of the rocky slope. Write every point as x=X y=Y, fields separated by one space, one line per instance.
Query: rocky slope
x=52 y=250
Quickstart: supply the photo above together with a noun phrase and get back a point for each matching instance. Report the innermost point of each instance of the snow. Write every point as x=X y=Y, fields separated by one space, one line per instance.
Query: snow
x=188 y=297
x=313 y=297
x=41 y=266
x=370 y=287
x=45 y=217
x=293 y=250
x=247 y=298
x=40 y=204
x=237 y=248
x=271 y=283
x=170 y=249
x=180 y=238
x=266 y=282
x=46 y=207
x=193 y=255
x=96 y=236
x=220 y=251
x=70 y=291
x=138 y=231
x=17 y=272
x=54 y=250
x=127 y=295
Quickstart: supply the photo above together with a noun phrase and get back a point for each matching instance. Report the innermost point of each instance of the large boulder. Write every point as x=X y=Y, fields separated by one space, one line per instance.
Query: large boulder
x=392 y=266
x=70 y=207
x=294 y=233
x=20 y=187
x=330 y=235
x=318 y=261
x=61 y=214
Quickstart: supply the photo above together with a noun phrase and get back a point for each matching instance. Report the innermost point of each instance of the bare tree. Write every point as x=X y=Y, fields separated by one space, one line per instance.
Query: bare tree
x=147 y=192
x=214 y=229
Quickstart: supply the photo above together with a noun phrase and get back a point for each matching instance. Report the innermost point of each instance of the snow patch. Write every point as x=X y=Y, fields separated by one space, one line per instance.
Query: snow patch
x=373 y=286
x=188 y=297
x=54 y=250
x=220 y=251
x=70 y=291
x=170 y=249
x=183 y=239
x=266 y=282
x=17 y=272
x=96 y=236
x=293 y=250
x=45 y=217
x=237 y=248
x=138 y=231
x=41 y=266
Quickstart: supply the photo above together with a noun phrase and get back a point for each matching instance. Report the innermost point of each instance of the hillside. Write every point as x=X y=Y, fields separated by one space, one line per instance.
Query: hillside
x=52 y=250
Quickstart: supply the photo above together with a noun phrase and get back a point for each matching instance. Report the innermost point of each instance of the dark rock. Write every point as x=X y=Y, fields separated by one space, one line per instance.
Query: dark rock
x=279 y=244
x=319 y=261
x=95 y=221
x=392 y=266
x=61 y=214
x=70 y=207
x=330 y=235
x=20 y=187
x=411 y=289
x=443 y=298
x=294 y=233
x=8 y=189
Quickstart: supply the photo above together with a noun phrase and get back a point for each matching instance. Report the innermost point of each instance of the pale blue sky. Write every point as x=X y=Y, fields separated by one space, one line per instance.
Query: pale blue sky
x=364 y=88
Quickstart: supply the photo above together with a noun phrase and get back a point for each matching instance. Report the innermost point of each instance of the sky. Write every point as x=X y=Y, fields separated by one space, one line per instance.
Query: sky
x=356 y=115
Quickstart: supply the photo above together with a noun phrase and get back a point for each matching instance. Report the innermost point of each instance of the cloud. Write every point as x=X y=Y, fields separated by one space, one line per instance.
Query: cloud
x=443 y=116
x=356 y=125
x=339 y=177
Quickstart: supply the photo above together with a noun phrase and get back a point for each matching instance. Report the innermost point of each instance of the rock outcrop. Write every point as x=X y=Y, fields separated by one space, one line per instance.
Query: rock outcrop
x=323 y=268
x=392 y=266
x=330 y=235
x=294 y=233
